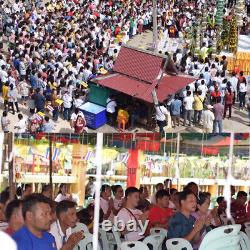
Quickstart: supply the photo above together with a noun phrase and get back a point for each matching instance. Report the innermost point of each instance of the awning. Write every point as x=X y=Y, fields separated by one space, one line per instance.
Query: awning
x=169 y=85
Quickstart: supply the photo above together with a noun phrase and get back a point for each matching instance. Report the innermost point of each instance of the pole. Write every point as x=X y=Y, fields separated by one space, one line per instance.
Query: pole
x=227 y=188
x=11 y=165
x=99 y=145
x=50 y=166
x=155 y=33
x=178 y=161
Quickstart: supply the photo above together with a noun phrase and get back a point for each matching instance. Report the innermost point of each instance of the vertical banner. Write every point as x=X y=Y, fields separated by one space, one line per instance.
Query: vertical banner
x=132 y=166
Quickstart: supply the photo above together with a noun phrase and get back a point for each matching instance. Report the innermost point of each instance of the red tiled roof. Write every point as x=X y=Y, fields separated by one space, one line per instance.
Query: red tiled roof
x=141 y=90
x=172 y=84
x=138 y=64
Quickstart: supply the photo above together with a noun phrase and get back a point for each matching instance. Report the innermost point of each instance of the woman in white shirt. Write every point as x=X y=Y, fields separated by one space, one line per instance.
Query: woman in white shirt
x=62 y=194
x=118 y=200
x=242 y=93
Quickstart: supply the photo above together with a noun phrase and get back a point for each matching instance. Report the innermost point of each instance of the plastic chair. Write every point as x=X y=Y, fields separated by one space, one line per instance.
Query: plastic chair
x=86 y=243
x=247 y=231
x=80 y=227
x=244 y=241
x=178 y=244
x=227 y=221
x=159 y=230
x=107 y=243
x=225 y=237
x=247 y=224
x=133 y=245
x=117 y=236
x=155 y=241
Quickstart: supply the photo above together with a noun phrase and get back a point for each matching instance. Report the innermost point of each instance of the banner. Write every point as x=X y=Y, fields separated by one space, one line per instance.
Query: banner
x=132 y=166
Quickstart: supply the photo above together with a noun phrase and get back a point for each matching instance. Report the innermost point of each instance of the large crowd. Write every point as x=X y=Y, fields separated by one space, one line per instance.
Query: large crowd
x=35 y=219
x=51 y=49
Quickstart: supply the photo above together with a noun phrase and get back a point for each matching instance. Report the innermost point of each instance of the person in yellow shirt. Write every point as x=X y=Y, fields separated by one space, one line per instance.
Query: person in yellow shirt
x=5 y=91
x=198 y=106
x=122 y=119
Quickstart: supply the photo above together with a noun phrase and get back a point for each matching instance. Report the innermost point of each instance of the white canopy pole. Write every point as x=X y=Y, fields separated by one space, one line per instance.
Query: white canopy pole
x=227 y=188
x=98 y=163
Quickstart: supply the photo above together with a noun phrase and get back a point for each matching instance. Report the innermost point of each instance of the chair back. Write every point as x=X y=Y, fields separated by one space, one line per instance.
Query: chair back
x=80 y=227
x=227 y=221
x=108 y=241
x=158 y=230
x=225 y=237
x=178 y=244
x=155 y=241
x=86 y=243
x=133 y=245
x=247 y=224
x=247 y=231
x=244 y=241
x=117 y=236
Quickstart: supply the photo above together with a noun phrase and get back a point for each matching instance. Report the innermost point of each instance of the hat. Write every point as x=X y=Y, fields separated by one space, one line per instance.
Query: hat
x=210 y=107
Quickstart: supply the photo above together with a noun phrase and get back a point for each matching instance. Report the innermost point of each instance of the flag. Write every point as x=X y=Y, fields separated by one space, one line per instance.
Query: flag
x=88 y=155
x=50 y=108
x=55 y=154
x=125 y=158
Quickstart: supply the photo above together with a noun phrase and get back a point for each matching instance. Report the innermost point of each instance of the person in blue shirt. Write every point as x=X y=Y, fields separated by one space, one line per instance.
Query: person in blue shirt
x=37 y=220
x=175 y=110
x=183 y=224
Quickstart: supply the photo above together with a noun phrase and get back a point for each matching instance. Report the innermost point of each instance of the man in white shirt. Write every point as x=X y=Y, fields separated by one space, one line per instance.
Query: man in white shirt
x=21 y=125
x=188 y=108
x=111 y=110
x=74 y=117
x=61 y=229
x=67 y=103
x=234 y=82
x=161 y=113
x=208 y=119
x=203 y=88
x=130 y=213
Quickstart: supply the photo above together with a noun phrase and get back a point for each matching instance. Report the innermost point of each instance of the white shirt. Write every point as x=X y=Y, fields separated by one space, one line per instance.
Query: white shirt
x=161 y=113
x=234 y=81
x=61 y=197
x=188 y=102
x=111 y=105
x=104 y=204
x=243 y=87
x=208 y=119
x=67 y=99
x=203 y=88
x=125 y=216
x=60 y=237
x=21 y=126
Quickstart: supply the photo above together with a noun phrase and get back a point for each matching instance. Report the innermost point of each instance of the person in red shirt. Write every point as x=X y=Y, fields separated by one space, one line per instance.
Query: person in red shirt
x=14 y=217
x=238 y=208
x=160 y=214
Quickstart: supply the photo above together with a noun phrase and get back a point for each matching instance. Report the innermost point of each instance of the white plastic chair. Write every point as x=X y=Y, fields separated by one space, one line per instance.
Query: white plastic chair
x=117 y=236
x=244 y=241
x=159 y=230
x=225 y=237
x=86 y=243
x=227 y=221
x=178 y=244
x=107 y=242
x=80 y=227
x=133 y=245
x=247 y=224
x=155 y=241
x=247 y=231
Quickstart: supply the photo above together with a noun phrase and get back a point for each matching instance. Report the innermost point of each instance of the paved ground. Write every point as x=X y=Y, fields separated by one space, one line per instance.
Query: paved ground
x=238 y=122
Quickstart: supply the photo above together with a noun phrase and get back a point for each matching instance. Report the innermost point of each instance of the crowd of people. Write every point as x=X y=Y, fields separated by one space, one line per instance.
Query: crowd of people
x=35 y=219
x=51 y=49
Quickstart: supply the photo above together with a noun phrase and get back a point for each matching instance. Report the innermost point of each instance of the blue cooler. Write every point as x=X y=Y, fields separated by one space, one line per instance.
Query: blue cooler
x=95 y=115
